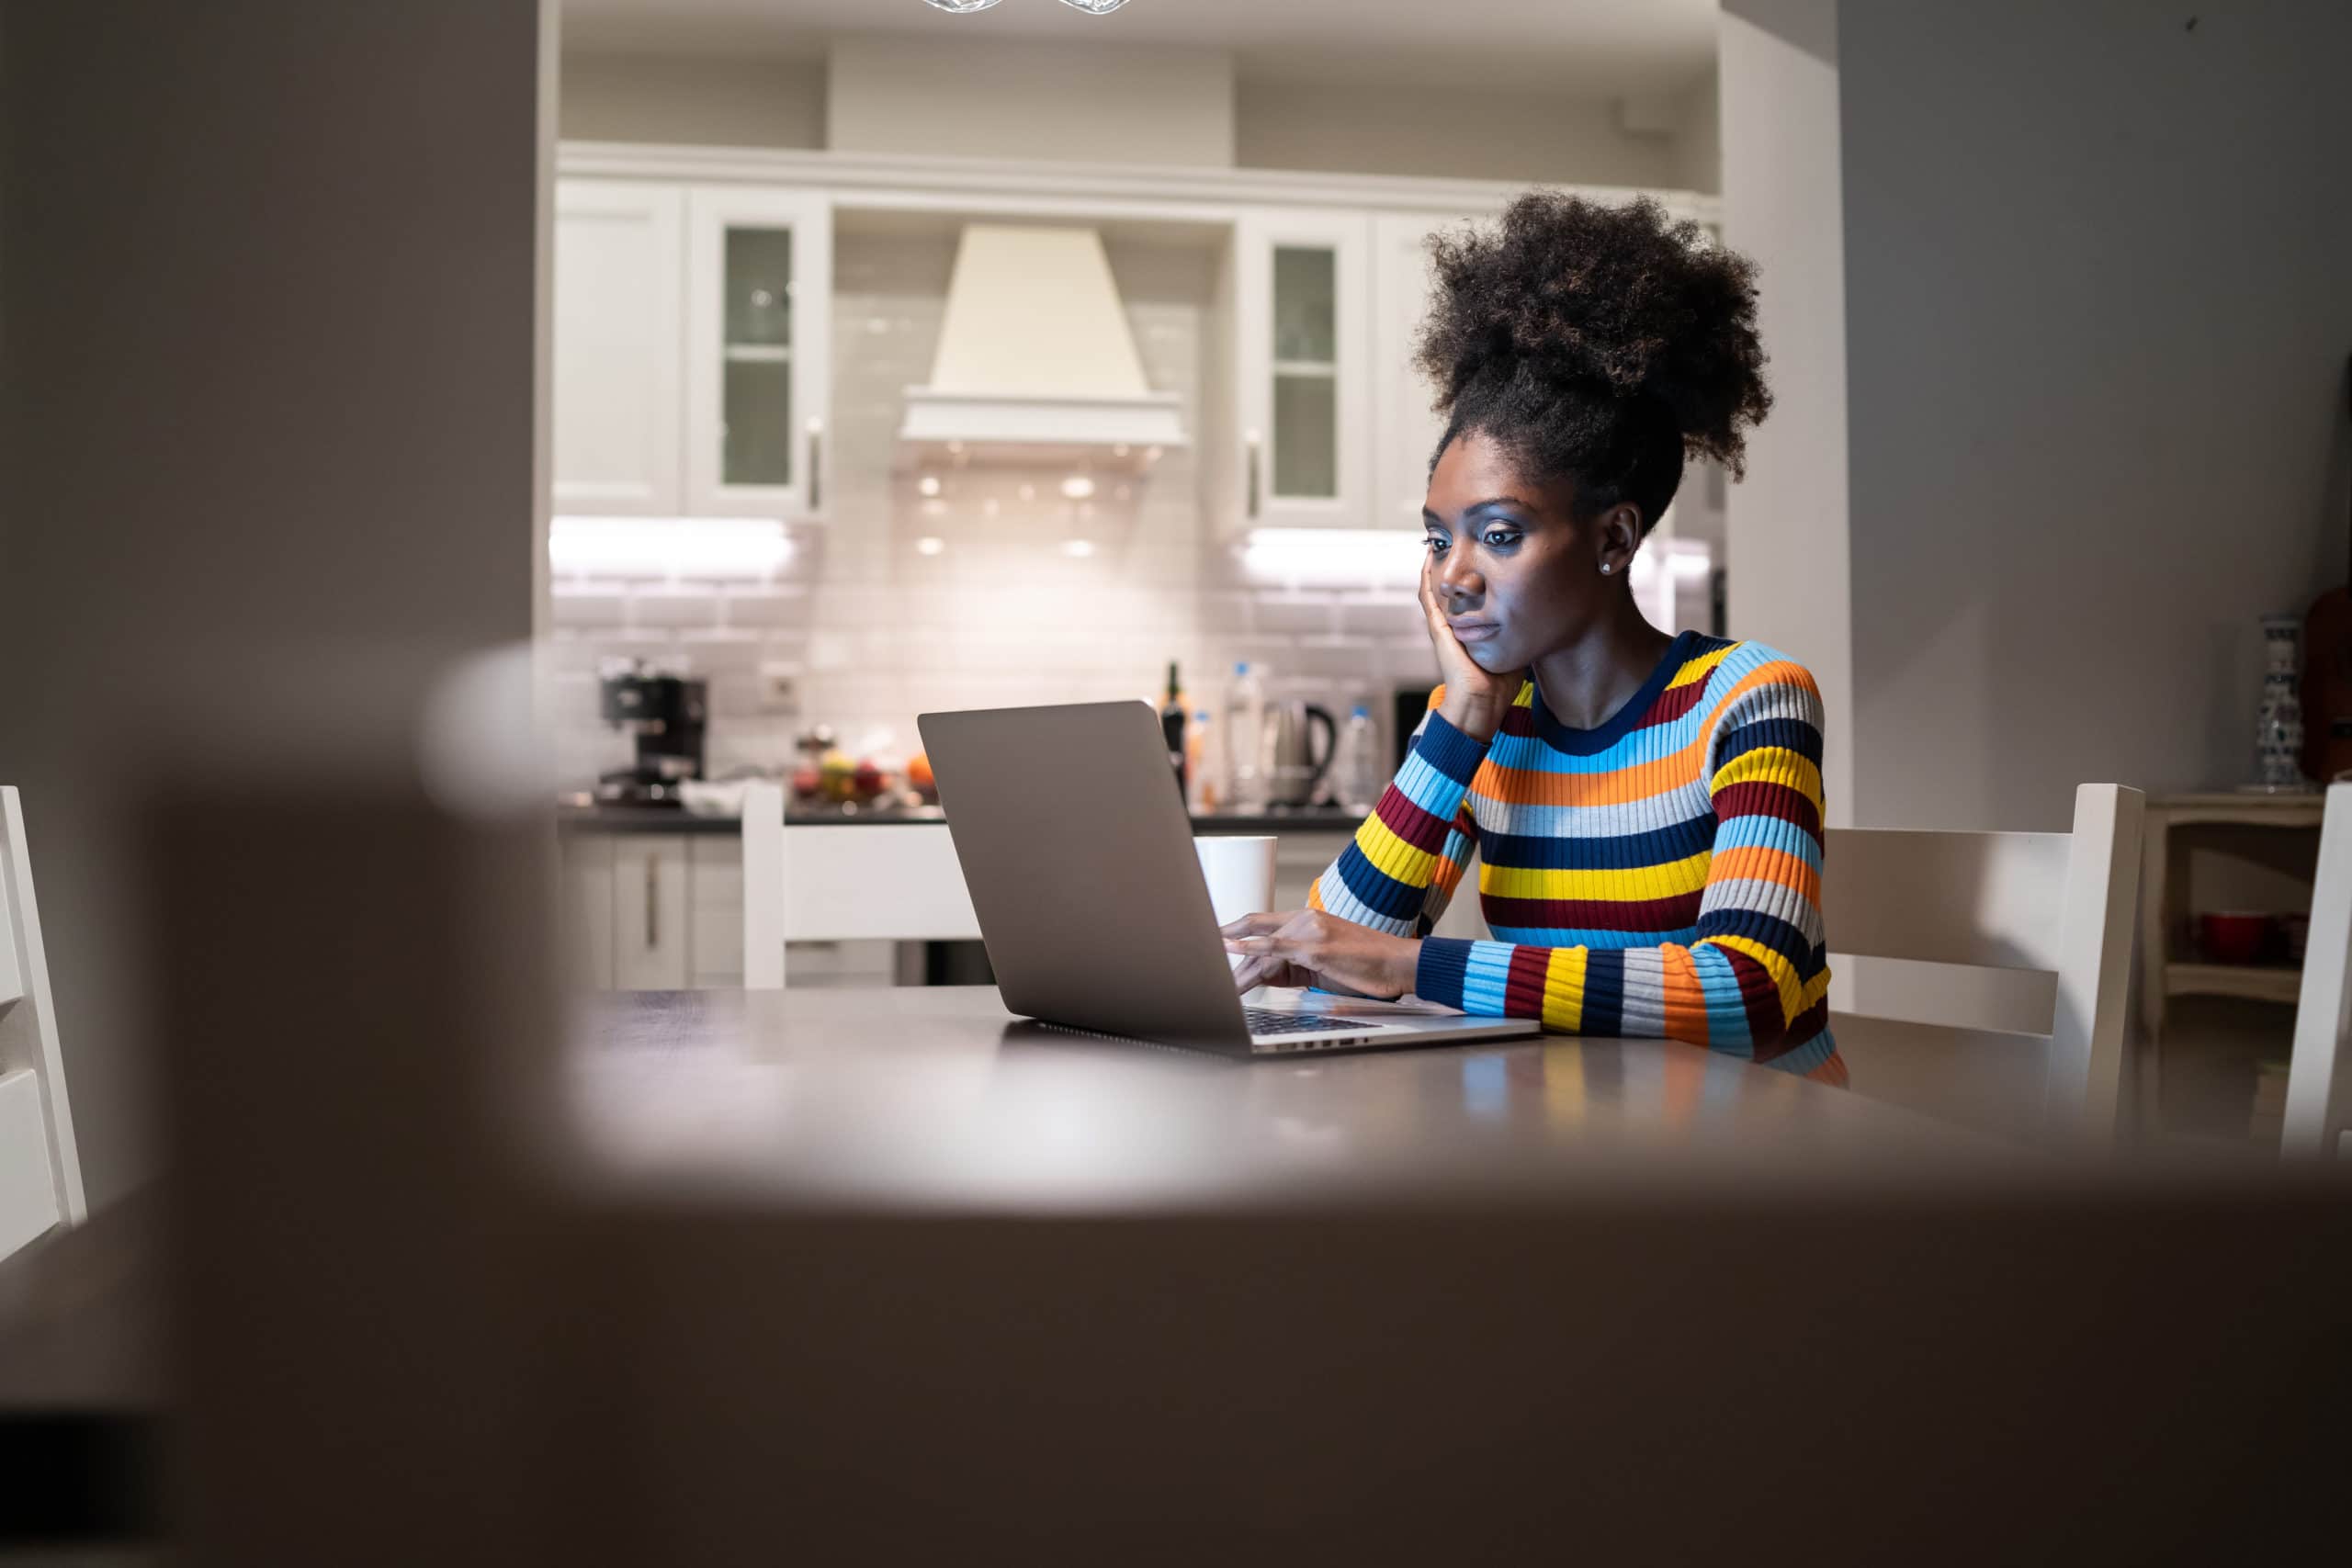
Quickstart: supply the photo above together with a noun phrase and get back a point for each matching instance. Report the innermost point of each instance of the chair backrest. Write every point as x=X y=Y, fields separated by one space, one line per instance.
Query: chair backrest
x=2319 y=1075
x=40 y=1172
x=843 y=883
x=2058 y=903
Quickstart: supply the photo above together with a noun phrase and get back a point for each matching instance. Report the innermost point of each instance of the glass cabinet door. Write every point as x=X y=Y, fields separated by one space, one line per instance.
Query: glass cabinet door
x=759 y=291
x=756 y=433
x=1306 y=369
x=1303 y=392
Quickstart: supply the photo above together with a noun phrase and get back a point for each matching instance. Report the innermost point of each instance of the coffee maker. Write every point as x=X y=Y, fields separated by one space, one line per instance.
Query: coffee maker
x=666 y=713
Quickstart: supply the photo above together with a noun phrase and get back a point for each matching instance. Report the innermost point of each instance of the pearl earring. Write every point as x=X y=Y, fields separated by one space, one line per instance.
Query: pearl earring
x=1604 y=569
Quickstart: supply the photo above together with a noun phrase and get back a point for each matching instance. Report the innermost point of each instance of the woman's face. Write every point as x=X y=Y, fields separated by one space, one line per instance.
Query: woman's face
x=1516 y=574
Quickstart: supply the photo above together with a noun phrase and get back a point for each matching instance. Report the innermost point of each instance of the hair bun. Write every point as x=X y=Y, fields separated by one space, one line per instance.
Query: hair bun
x=1601 y=303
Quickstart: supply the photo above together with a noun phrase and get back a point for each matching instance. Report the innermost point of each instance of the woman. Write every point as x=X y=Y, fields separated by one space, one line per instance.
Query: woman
x=1647 y=807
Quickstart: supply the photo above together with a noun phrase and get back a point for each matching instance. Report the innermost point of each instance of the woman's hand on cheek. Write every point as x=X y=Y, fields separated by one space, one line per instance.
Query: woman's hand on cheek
x=1476 y=698
x=1307 y=947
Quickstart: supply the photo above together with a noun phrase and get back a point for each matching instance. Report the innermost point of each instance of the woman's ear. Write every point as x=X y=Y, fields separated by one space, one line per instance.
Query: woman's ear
x=1621 y=535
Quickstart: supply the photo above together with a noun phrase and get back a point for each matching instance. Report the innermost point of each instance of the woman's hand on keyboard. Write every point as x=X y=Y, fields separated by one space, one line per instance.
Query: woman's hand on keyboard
x=1307 y=947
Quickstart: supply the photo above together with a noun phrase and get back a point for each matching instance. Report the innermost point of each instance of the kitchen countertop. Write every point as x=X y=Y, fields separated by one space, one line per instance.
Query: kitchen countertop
x=657 y=820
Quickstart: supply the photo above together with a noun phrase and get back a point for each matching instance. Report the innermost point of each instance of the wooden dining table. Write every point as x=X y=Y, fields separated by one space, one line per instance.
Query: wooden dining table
x=926 y=1099
x=877 y=1275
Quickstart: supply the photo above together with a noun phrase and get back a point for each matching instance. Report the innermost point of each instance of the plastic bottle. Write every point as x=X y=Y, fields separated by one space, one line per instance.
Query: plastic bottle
x=1362 y=777
x=1245 y=727
x=1200 y=755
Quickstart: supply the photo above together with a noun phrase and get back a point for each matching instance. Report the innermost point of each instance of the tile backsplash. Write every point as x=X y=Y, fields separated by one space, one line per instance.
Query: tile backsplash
x=997 y=589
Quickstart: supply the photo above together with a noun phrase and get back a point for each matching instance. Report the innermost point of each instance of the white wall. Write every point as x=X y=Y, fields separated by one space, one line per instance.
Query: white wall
x=1345 y=127
x=2096 y=372
x=703 y=100
x=270 y=337
x=1786 y=521
x=1025 y=99
x=1698 y=135
x=1170 y=106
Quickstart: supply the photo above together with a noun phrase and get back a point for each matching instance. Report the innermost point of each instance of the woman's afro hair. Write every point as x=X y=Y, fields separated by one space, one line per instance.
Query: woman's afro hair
x=1596 y=344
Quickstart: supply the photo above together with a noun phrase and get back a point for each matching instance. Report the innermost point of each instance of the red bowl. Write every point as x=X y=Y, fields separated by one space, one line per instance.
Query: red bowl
x=2232 y=937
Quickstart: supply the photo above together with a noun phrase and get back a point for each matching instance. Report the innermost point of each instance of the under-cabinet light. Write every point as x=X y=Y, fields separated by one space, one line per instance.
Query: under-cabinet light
x=667 y=547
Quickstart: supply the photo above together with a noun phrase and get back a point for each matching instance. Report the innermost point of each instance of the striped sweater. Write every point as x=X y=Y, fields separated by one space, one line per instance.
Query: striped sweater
x=1659 y=875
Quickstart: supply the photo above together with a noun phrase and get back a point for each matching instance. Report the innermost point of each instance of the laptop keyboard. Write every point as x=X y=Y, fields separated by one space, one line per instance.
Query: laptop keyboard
x=1274 y=1020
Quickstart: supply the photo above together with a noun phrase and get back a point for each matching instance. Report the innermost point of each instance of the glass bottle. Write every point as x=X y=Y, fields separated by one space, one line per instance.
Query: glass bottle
x=2279 y=713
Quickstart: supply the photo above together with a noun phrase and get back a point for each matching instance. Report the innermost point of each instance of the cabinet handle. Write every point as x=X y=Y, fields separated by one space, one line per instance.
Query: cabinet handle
x=816 y=476
x=1252 y=463
x=653 y=903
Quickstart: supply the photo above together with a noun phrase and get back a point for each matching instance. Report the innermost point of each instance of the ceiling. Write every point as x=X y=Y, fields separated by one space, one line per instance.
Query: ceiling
x=1600 y=48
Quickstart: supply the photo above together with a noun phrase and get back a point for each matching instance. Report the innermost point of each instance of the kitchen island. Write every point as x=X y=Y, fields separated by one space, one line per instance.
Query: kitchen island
x=654 y=896
x=572 y=819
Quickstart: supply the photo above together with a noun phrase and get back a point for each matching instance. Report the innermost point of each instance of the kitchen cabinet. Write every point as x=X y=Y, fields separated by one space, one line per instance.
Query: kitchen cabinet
x=758 y=331
x=618 y=305
x=660 y=910
x=1404 y=428
x=584 y=913
x=649 y=902
x=1302 y=323
x=692 y=348
x=651 y=911
x=715 y=925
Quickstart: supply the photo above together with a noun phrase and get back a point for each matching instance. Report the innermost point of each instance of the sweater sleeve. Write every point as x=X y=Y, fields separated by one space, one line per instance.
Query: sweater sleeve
x=1408 y=856
x=1755 y=981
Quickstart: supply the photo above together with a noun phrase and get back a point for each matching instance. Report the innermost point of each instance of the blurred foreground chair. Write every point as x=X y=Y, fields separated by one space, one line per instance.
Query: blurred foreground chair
x=854 y=881
x=2057 y=903
x=40 y=1175
x=2319 y=1075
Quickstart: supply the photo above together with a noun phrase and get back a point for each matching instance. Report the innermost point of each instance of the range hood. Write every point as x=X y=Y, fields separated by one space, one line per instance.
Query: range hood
x=1036 y=363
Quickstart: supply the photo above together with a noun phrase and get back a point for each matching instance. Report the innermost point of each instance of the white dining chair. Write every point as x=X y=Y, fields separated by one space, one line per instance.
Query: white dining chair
x=2059 y=905
x=2318 y=1073
x=843 y=882
x=41 y=1173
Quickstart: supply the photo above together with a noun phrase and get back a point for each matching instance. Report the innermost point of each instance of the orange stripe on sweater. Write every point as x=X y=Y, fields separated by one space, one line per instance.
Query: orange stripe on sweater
x=1686 y=1003
x=1533 y=787
x=1760 y=863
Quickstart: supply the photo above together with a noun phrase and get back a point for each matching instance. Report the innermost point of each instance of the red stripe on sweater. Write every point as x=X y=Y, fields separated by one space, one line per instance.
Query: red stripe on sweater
x=1674 y=702
x=1755 y=798
x=1410 y=823
x=1524 y=987
x=1645 y=915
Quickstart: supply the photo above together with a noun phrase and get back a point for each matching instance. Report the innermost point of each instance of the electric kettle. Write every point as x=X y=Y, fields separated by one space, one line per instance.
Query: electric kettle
x=1293 y=764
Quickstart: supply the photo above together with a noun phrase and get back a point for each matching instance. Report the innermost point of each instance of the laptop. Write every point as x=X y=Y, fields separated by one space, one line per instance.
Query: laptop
x=1078 y=853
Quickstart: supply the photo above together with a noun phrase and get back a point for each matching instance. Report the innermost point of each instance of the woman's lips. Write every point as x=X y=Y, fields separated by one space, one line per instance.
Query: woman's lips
x=1475 y=631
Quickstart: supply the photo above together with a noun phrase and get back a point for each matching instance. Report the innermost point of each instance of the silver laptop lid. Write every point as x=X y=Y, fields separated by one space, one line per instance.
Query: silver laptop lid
x=1078 y=854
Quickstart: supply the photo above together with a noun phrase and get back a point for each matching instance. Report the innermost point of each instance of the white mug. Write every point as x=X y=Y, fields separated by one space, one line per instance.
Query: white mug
x=1239 y=870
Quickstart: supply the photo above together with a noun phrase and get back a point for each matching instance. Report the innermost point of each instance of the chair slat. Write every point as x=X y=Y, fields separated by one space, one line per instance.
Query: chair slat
x=2319 y=1074
x=900 y=883
x=28 y=1194
x=1995 y=900
x=12 y=977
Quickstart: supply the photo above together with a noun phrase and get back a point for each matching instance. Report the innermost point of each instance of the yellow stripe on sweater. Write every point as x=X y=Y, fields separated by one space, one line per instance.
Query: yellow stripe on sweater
x=1625 y=885
x=1783 y=973
x=1699 y=669
x=1771 y=764
x=1563 y=989
x=1392 y=855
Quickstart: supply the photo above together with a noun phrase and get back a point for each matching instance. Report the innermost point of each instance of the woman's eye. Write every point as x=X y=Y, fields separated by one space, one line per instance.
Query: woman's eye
x=1436 y=545
x=1501 y=540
